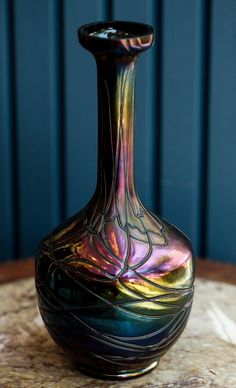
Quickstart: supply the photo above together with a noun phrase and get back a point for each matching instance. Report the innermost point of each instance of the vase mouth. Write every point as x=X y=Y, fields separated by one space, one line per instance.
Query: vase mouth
x=118 y=37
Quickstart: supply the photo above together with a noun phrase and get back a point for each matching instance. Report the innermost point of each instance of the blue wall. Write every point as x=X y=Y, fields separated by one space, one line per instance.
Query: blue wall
x=185 y=118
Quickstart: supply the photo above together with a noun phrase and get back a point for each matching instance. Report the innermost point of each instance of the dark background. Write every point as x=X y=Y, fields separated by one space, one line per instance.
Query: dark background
x=185 y=118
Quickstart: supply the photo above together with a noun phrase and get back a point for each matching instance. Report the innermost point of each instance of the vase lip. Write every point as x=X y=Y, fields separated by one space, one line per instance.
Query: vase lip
x=116 y=36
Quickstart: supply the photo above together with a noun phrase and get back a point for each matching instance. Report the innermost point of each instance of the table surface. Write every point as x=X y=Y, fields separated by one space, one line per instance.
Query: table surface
x=204 y=356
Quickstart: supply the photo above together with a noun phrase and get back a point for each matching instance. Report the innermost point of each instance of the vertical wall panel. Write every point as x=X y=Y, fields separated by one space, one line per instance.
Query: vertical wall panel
x=36 y=139
x=80 y=105
x=146 y=95
x=6 y=149
x=56 y=107
x=222 y=136
x=181 y=116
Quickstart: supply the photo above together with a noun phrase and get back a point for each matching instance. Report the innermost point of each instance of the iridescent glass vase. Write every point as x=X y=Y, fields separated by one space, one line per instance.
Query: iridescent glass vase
x=115 y=281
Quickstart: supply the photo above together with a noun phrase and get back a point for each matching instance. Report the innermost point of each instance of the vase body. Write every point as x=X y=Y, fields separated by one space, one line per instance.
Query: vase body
x=115 y=282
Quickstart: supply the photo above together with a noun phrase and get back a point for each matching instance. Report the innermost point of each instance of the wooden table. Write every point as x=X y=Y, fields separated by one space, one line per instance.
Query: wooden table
x=204 y=356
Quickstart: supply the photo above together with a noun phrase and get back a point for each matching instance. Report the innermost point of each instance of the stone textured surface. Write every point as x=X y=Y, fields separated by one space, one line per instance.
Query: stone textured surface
x=204 y=356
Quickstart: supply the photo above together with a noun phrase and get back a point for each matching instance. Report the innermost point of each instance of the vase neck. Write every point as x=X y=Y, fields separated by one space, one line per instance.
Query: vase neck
x=116 y=45
x=116 y=82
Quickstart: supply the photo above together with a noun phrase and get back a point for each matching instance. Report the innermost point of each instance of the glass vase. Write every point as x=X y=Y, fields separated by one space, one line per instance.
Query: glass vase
x=115 y=282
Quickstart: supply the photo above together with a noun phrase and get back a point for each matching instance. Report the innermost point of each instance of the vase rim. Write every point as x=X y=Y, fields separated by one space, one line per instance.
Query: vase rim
x=116 y=35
